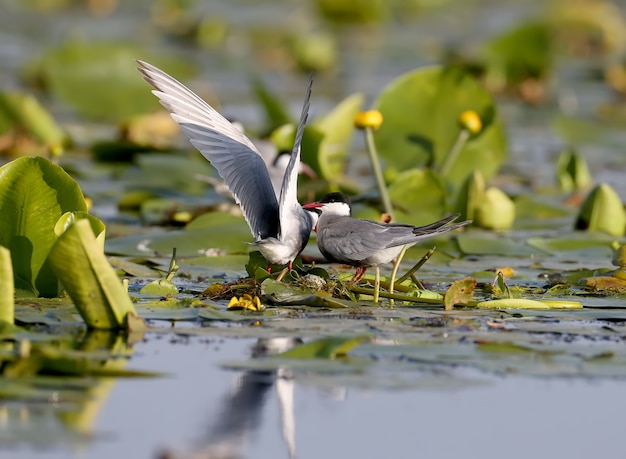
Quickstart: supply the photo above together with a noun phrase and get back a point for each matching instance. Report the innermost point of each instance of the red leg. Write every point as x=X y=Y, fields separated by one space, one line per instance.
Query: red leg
x=358 y=275
x=290 y=265
x=269 y=268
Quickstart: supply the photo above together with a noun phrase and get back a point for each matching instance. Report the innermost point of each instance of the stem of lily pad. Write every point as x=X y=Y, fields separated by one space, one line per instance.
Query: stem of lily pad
x=378 y=174
x=401 y=297
x=417 y=265
x=394 y=271
x=453 y=154
x=377 y=285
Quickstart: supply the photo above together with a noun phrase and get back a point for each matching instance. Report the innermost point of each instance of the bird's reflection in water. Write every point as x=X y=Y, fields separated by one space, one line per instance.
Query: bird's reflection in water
x=241 y=408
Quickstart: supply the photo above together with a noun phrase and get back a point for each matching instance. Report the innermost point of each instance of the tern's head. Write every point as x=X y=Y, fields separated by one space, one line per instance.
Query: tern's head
x=331 y=204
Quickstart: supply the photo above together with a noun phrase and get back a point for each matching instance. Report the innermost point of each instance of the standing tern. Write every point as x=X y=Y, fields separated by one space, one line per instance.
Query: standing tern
x=364 y=243
x=280 y=226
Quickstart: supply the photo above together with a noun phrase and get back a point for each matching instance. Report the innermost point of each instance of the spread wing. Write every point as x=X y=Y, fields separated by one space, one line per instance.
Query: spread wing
x=291 y=213
x=234 y=156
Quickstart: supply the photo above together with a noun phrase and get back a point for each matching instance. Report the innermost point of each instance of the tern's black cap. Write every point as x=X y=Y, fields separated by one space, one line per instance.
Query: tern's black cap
x=335 y=197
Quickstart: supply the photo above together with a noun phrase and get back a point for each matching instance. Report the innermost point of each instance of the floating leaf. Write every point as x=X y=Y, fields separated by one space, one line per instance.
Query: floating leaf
x=215 y=233
x=572 y=244
x=164 y=287
x=99 y=79
x=460 y=292
x=161 y=287
x=226 y=316
x=34 y=193
x=522 y=303
x=494 y=246
x=435 y=97
x=324 y=348
x=539 y=209
x=82 y=268
x=609 y=284
x=131 y=268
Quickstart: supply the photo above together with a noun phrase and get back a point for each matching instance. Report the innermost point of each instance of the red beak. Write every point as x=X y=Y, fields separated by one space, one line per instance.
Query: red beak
x=313 y=205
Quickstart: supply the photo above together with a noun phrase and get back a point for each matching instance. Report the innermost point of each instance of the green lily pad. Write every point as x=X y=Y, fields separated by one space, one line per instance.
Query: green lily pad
x=572 y=244
x=494 y=246
x=418 y=196
x=131 y=268
x=161 y=287
x=435 y=97
x=337 y=128
x=99 y=79
x=215 y=233
x=460 y=292
x=520 y=54
x=34 y=193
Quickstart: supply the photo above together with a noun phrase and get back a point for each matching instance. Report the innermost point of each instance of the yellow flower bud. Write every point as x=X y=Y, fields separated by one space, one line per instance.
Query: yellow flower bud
x=470 y=120
x=369 y=119
x=246 y=302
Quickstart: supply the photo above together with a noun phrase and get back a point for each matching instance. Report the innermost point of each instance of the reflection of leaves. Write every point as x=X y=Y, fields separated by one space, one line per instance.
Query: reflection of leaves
x=324 y=348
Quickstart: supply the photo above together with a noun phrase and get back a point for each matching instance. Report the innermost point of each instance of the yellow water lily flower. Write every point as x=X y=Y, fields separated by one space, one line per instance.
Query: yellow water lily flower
x=246 y=302
x=470 y=120
x=369 y=119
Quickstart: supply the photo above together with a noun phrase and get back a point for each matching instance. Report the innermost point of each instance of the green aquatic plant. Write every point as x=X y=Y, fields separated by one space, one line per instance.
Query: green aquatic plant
x=7 y=307
x=34 y=194
x=602 y=210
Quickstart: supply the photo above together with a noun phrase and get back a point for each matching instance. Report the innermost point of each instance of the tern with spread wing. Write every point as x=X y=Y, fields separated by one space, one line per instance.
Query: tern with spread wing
x=280 y=226
x=364 y=243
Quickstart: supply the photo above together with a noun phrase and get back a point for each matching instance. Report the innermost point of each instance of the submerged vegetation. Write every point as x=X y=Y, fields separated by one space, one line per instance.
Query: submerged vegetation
x=110 y=224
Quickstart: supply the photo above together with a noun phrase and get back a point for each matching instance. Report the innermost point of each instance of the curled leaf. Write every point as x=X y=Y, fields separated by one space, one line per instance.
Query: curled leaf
x=79 y=263
x=460 y=292
x=602 y=211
